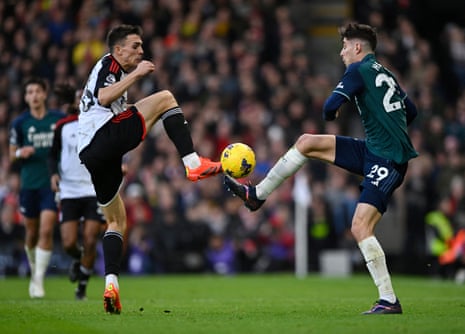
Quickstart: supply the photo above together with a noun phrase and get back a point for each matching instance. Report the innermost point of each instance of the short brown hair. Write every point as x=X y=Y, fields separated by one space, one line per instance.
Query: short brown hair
x=119 y=33
x=362 y=31
x=35 y=81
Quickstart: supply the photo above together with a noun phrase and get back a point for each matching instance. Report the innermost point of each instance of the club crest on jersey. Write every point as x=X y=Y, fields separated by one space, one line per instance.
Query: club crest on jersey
x=111 y=78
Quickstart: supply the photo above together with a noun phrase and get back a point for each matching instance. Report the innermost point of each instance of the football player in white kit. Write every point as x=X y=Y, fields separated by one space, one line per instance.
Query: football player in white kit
x=109 y=128
x=77 y=199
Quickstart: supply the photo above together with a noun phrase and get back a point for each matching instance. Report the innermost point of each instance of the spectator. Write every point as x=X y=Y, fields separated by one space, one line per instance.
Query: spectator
x=446 y=246
x=455 y=39
x=11 y=237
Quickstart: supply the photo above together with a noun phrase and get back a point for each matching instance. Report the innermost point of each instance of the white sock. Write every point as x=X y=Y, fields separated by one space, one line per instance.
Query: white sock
x=191 y=160
x=111 y=278
x=286 y=166
x=42 y=261
x=376 y=264
x=31 y=258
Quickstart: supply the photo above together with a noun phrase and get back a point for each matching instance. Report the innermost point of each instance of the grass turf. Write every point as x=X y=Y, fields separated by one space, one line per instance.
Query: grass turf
x=241 y=304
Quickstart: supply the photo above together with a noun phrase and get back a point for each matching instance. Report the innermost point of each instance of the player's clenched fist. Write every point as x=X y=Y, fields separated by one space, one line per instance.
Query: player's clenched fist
x=145 y=67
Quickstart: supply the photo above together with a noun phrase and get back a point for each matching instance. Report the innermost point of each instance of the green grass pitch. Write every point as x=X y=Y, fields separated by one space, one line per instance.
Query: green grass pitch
x=202 y=304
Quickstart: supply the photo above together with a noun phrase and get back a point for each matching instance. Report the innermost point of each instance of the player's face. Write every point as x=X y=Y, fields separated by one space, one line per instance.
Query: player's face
x=350 y=50
x=130 y=52
x=35 y=96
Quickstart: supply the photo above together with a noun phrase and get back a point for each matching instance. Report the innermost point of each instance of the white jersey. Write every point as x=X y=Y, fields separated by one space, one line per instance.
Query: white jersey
x=75 y=181
x=93 y=115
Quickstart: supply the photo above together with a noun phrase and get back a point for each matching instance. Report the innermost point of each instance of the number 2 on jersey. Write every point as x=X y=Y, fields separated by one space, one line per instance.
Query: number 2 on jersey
x=392 y=87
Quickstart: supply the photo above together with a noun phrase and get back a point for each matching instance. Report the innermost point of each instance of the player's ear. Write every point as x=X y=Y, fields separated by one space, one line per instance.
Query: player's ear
x=116 y=49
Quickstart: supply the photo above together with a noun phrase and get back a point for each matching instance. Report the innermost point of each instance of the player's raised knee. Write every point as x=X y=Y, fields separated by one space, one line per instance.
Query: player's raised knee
x=304 y=141
x=165 y=99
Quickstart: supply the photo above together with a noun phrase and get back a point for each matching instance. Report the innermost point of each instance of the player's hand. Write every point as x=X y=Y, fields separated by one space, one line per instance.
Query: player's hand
x=55 y=182
x=144 y=67
x=27 y=151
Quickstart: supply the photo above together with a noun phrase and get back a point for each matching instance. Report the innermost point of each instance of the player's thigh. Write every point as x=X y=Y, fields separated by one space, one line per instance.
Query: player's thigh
x=69 y=231
x=350 y=154
x=47 y=200
x=29 y=202
x=321 y=147
x=153 y=106
x=91 y=232
x=93 y=219
x=106 y=174
x=381 y=178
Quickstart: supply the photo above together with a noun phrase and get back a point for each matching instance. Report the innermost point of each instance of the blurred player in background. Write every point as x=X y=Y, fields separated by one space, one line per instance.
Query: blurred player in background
x=31 y=138
x=382 y=158
x=109 y=128
x=78 y=202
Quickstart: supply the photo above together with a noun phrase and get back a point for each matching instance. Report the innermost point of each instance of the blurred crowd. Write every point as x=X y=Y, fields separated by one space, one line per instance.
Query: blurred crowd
x=242 y=71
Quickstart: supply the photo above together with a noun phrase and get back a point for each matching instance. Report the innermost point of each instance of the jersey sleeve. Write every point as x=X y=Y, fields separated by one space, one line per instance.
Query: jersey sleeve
x=350 y=85
x=332 y=105
x=16 y=136
x=104 y=77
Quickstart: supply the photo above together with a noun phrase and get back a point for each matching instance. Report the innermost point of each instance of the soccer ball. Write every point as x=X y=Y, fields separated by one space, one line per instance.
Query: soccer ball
x=238 y=160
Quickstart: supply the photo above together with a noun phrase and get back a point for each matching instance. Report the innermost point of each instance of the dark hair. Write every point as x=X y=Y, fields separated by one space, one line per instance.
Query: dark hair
x=35 y=81
x=120 y=32
x=362 y=31
x=66 y=94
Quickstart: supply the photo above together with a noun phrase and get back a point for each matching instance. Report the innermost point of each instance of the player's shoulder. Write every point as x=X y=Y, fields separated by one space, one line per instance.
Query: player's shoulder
x=22 y=117
x=370 y=64
x=354 y=67
x=108 y=61
x=67 y=119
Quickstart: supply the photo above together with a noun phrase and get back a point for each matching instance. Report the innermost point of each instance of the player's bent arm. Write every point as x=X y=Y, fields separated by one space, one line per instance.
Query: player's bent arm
x=106 y=95
x=332 y=105
x=20 y=152
x=55 y=182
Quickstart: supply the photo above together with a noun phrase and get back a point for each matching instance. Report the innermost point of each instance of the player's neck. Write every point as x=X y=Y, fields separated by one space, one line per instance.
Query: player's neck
x=39 y=112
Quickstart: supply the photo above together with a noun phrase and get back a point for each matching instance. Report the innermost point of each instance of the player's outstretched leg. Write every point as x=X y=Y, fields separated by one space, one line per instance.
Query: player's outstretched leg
x=245 y=192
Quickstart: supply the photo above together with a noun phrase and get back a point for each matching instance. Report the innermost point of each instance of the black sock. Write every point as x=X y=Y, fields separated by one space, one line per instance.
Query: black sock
x=178 y=131
x=84 y=275
x=75 y=253
x=82 y=285
x=112 y=252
